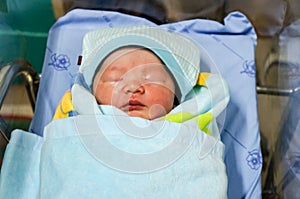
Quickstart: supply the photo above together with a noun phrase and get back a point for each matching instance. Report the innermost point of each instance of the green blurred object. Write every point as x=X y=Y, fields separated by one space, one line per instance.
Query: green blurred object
x=3 y=6
x=24 y=26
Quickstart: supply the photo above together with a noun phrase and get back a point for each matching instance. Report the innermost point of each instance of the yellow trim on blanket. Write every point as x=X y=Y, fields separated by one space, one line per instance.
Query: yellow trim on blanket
x=202 y=78
x=178 y=117
x=202 y=120
x=65 y=106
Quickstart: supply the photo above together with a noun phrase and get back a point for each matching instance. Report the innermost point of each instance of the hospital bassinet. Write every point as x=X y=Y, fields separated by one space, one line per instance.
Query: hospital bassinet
x=227 y=49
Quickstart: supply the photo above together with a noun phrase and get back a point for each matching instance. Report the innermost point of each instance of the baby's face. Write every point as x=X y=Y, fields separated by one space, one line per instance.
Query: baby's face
x=135 y=81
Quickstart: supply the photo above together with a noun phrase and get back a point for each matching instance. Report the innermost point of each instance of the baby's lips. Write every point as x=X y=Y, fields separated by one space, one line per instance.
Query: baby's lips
x=132 y=104
x=135 y=102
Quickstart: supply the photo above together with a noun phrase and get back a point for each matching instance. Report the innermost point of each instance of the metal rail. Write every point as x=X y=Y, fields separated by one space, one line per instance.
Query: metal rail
x=8 y=73
x=276 y=91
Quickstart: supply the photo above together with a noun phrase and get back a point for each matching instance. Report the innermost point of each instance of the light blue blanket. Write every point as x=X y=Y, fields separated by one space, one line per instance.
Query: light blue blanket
x=103 y=153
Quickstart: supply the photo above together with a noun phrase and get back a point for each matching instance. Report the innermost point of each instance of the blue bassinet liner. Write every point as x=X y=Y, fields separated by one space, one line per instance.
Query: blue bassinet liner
x=227 y=48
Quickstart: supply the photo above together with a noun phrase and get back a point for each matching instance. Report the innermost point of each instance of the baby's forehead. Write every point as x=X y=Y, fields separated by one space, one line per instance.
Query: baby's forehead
x=121 y=56
x=129 y=50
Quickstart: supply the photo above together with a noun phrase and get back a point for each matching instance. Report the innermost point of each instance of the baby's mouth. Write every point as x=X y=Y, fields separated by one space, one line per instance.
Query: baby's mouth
x=132 y=105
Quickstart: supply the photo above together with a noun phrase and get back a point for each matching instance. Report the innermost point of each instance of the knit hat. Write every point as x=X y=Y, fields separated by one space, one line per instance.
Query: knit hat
x=180 y=55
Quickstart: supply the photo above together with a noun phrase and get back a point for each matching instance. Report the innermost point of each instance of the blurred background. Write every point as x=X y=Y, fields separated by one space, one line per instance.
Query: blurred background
x=24 y=27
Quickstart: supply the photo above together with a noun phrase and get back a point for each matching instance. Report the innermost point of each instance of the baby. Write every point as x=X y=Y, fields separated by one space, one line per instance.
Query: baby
x=136 y=81
x=135 y=71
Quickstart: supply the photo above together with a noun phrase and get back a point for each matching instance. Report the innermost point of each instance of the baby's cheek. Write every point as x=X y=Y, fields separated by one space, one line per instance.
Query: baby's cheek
x=104 y=94
x=118 y=98
x=157 y=110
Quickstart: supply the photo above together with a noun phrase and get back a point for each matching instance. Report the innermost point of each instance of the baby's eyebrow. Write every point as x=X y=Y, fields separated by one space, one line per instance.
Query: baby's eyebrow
x=112 y=68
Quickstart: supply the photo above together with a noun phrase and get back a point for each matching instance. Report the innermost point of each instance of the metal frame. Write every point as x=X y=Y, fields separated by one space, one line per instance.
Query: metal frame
x=269 y=188
x=8 y=73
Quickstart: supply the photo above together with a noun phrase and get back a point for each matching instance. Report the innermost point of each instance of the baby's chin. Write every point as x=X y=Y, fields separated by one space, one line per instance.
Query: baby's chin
x=155 y=111
x=137 y=113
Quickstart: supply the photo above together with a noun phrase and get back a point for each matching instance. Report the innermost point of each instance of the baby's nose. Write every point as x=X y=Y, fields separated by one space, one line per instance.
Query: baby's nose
x=134 y=86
